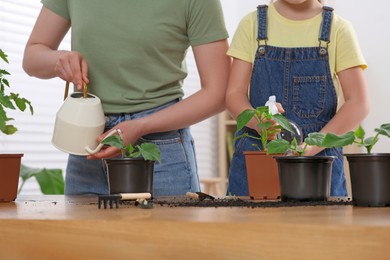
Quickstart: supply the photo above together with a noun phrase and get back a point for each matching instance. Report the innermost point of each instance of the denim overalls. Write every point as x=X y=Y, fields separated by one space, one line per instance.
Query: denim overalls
x=300 y=79
x=175 y=175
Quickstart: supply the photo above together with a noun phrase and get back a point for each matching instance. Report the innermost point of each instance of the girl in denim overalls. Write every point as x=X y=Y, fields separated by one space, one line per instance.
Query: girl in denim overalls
x=305 y=55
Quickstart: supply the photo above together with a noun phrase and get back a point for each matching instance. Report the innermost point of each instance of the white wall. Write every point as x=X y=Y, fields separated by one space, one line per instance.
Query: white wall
x=370 y=19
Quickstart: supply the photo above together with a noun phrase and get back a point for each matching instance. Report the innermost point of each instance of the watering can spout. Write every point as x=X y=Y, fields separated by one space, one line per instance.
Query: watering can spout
x=99 y=147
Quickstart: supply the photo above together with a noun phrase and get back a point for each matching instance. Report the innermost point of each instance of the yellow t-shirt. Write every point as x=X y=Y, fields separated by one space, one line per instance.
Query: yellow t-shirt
x=344 y=49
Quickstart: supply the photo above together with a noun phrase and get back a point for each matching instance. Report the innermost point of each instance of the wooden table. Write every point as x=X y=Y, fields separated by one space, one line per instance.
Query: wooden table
x=61 y=227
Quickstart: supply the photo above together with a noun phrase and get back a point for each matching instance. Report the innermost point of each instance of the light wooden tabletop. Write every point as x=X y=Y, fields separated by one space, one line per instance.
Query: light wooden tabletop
x=60 y=227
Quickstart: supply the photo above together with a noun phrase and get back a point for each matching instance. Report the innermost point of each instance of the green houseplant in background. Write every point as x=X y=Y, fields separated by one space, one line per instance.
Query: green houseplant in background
x=370 y=172
x=50 y=181
x=133 y=172
x=261 y=168
x=10 y=163
x=11 y=168
x=9 y=100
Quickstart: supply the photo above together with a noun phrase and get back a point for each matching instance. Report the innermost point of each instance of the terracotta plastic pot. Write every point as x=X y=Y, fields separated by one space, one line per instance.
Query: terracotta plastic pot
x=130 y=175
x=370 y=179
x=9 y=176
x=262 y=174
x=305 y=178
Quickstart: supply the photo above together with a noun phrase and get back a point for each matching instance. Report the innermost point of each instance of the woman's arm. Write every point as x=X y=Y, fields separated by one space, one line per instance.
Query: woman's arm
x=42 y=58
x=213 y=66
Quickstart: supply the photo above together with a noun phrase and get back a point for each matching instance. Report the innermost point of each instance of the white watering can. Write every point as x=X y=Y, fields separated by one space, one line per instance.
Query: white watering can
x=79 y=122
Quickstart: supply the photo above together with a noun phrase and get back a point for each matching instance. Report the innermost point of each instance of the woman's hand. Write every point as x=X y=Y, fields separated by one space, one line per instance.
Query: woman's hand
x=71 y=66
x=130 y=130
x=42 y=58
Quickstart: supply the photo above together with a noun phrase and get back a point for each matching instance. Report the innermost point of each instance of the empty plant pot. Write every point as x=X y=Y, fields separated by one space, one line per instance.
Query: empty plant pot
x=130 y=175
x=9 y=176
x=370 y=179
x=305 y=178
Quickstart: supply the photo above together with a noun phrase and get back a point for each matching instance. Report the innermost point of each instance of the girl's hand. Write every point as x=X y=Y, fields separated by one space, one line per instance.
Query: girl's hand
x=71 y=66
x=273 y=136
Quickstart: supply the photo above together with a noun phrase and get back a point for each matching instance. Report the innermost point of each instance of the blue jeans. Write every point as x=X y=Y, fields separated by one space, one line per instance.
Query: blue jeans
x=175 y=175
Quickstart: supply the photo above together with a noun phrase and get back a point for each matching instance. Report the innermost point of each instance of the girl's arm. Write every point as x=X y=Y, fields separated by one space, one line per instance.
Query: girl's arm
x=42 y=58
x=354 y=109
x=237 y=92
x=213 y=66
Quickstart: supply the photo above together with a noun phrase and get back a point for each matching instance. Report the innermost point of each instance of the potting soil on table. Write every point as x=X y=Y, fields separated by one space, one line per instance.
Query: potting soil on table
x=238 y=202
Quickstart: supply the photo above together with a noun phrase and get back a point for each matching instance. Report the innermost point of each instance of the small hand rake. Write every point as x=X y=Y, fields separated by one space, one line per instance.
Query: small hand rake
x=116 y=198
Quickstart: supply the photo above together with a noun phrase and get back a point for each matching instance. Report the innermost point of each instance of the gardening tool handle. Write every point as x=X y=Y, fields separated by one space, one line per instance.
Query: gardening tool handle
x=134 y=196
x=192 y=195
x=99 y=147
x=85 y=90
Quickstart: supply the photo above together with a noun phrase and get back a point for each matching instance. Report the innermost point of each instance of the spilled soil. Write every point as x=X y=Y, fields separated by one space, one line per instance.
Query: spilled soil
x=236 y=202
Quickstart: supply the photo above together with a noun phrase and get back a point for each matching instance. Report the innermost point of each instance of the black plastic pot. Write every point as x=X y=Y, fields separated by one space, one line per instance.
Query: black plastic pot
x=370 y=179
x=130 y=175
x=305 y=178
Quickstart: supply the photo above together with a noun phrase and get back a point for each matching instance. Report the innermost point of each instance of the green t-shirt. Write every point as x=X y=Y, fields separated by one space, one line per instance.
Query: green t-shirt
x=136 y=49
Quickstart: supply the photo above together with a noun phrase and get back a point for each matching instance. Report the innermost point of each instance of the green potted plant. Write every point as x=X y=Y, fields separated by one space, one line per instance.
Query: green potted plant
x=133 y=172
x=50 y=181
x=307 y=178
x=10 y=163
x=370 y=172
x=261 y=168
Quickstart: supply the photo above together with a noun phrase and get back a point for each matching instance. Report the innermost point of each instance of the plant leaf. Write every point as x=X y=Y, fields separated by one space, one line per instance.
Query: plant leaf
x=6 y=102
x=283 y=122
x=3 y=56
x=114 y=140
x=315 y=138
x=26 y=172
x=50 y=181
x=337 y=141
x=4 y=72
x=244 y=118
x=360 y=133
x=9 y=129
x=150 y=151
x=278 y=146
x=384 y=129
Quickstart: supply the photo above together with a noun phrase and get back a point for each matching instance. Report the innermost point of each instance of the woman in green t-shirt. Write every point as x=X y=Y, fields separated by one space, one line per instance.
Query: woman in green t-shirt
x=131 y=54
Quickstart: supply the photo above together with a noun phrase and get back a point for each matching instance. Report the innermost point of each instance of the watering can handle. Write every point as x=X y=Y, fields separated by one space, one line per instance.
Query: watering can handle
x=99 y=147
x=85 y=90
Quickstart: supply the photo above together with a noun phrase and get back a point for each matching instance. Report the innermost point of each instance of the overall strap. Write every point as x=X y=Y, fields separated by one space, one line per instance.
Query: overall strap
x=262 y=23
x=327 y=15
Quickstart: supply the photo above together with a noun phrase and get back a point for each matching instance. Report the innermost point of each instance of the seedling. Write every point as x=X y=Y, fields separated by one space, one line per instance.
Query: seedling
x=148 y=151
x=369 y=142
x=269 y=123
x=328 y=140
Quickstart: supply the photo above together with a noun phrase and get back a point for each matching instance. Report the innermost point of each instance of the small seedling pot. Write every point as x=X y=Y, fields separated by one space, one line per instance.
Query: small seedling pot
x=262 y=174
x=370 y=179
x=130 y=175
x=9 y=176
x=304 y=178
